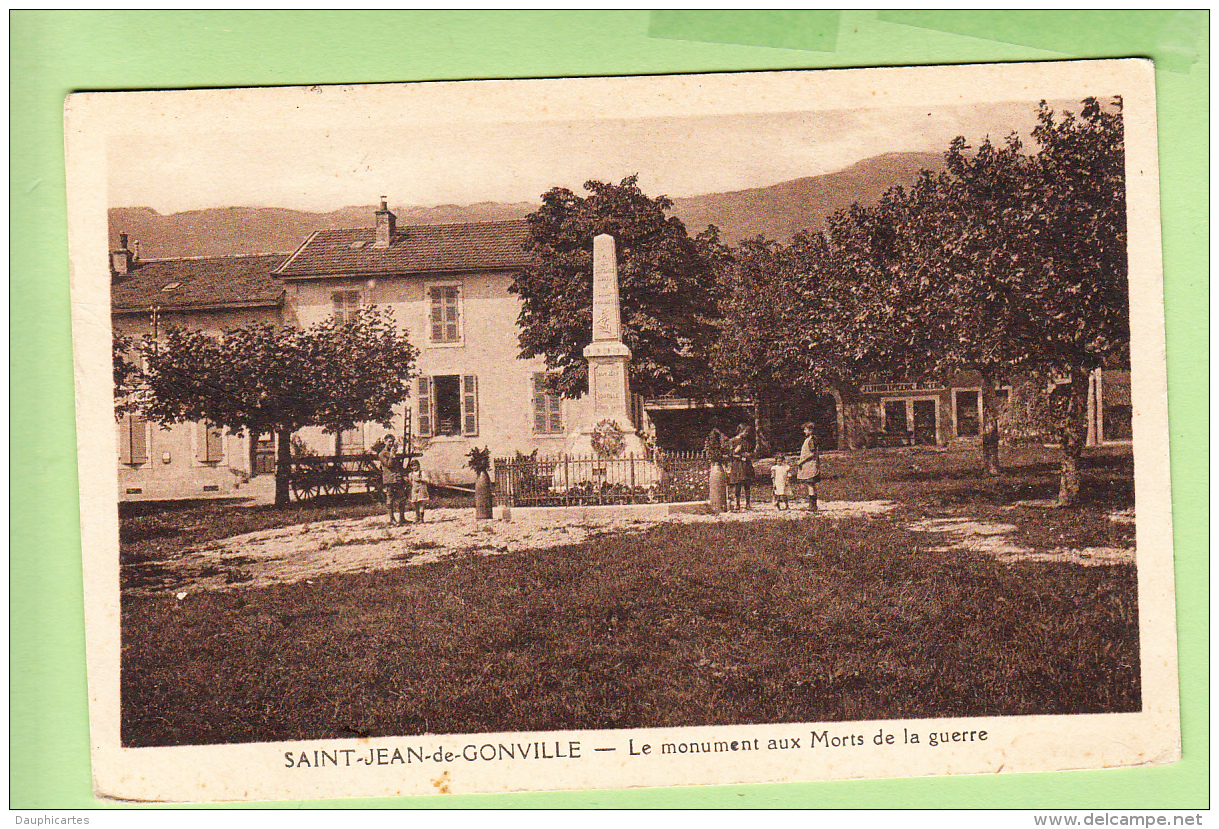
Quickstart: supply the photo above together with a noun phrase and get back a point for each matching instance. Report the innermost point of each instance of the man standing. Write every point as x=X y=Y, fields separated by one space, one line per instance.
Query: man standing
x=391 y=478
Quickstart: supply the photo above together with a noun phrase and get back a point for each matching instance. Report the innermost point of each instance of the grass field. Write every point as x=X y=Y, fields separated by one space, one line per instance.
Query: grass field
x=768 y=621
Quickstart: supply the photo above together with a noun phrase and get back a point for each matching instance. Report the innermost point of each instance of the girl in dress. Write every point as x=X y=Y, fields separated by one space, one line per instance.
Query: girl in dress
x=418 y=490
x=779 y=473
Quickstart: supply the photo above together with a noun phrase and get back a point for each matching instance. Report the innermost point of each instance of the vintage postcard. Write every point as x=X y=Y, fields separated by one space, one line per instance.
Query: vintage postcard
x=556 y=434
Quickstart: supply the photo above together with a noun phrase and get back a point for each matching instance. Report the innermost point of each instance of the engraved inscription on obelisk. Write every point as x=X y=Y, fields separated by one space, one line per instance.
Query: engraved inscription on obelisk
x=608 y=357
x=607 y=317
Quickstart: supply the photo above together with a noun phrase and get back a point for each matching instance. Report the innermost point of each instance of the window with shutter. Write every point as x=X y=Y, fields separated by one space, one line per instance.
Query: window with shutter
x=346 y=303
x=133 y=440
x=547 y=408
x=425 y=406
x=469 y=405
x=444 y=314
x=351 y=441
x=210 y=447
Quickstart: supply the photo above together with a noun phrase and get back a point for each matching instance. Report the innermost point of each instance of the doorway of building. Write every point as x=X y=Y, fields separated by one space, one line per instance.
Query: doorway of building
x=924 y=422
x=447 y=391
x=895 y=417
x=262 y=450
x=968 y=423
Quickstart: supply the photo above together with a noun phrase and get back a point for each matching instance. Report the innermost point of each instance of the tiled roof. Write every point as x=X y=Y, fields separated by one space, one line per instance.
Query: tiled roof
x=204 y=282
x=415 y=249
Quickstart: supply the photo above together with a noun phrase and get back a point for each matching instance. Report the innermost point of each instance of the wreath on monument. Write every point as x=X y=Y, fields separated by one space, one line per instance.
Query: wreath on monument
x=608 y=439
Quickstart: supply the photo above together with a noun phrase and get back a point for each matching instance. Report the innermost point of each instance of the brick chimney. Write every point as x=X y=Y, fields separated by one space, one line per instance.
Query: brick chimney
x=386 y=226
x=122 y=259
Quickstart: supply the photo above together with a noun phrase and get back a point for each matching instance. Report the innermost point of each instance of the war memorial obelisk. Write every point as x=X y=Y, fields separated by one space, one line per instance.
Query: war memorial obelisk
x=609 y=380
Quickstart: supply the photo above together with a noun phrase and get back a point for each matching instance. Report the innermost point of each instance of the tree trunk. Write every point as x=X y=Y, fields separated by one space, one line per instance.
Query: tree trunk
x=990 y=425
x=283 y=468
x=761 y=438
x=1074 y=436
x=253 y=451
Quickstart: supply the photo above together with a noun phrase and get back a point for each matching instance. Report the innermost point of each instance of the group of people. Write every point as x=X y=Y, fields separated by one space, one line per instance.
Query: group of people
x=407 y=485
x=807 y=472
x=402 y=485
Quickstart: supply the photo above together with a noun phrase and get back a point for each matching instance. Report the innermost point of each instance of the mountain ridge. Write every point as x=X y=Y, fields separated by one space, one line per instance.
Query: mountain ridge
x=777 y=211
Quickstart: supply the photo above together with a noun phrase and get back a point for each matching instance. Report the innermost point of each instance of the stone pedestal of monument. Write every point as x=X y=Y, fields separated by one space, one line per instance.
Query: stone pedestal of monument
x=609 y=385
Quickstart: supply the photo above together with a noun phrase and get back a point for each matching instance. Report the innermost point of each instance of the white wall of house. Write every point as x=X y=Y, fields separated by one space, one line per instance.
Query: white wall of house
x=480 y=343
x=181 y=461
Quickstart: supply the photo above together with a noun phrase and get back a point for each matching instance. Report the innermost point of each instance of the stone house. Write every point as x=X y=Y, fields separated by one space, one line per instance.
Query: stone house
x=447 y=285
x=190 y=460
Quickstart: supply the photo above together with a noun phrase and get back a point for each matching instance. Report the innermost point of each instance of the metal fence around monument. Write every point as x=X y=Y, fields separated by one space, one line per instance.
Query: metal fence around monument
x=588 y=480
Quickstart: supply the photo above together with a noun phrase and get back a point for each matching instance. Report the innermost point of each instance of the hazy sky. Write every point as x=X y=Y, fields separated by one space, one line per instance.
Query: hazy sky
x=353 y=162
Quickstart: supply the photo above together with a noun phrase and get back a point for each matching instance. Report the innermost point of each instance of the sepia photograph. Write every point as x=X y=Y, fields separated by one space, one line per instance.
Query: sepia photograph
x=604 y=432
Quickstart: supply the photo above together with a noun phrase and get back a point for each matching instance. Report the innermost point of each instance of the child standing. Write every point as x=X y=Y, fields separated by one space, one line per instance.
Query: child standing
x=779 y=473
x=808 y=468
x=418 y=490
x=740 y=465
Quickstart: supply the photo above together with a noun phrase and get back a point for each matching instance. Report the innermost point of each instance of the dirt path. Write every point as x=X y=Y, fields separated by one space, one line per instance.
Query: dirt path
x=993 y=538
x=305 y=551
x=302 y=551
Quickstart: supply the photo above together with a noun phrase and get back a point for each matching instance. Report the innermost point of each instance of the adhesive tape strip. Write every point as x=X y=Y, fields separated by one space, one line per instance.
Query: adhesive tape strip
x=812 y=30
x=1169 y=37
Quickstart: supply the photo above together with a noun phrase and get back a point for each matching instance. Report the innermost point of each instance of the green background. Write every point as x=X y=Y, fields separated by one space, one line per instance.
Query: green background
x=54 y=53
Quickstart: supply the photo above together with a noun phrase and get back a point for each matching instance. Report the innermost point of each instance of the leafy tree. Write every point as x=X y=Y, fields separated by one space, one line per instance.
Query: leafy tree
x=265 y=379
x=778 y=334
x=1008 y=261
x=1075 y=247
x=665 y=280
x=126 y=375
x=939 y=290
